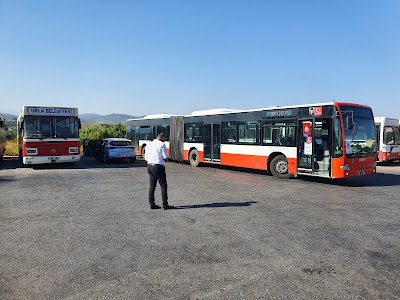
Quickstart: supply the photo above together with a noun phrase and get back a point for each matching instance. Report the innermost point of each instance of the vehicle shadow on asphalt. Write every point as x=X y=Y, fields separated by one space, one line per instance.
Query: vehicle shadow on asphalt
x=378 y=179
x=233 y=168
x=6 y=179
x=84 y=163
x=217 y=204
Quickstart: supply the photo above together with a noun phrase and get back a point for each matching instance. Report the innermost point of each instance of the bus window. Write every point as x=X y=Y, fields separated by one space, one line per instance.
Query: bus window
x=165 y=131
x=194 y=132
x=279 y=134
x=145 y=133
x=228 y=132
x=396 y=134
x=249 y=132
x=388 y=136
x=337 y=139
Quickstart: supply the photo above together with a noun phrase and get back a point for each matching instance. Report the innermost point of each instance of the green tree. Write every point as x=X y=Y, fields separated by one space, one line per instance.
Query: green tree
x=102 y=131
x=11 y=136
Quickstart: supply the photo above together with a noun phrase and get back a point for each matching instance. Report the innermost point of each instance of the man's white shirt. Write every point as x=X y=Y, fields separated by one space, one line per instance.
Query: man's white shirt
x=156 y=151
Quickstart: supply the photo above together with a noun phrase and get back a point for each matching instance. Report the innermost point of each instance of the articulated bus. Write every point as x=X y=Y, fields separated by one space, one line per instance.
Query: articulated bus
x=2 y=136
x=388 y=138
x=48 y=134
x=333 y=140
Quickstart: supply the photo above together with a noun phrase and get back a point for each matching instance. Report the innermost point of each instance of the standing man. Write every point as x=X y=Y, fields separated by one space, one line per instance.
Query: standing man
x=156 y=156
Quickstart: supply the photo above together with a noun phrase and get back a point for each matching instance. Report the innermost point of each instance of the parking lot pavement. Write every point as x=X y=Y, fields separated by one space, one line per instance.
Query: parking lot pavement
x=85 y=231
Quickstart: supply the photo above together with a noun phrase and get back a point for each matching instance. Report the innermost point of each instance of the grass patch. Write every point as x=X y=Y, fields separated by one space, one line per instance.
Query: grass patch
x=11 y=148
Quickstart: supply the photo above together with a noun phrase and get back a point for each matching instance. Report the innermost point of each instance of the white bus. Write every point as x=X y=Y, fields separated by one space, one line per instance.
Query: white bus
x=2 y=136
x=388 y=138
x=332 y=140
x=48 y=134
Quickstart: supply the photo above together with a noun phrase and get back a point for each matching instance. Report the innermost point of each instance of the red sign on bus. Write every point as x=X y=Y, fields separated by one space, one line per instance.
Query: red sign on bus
x=318 y=111
x=306 y=128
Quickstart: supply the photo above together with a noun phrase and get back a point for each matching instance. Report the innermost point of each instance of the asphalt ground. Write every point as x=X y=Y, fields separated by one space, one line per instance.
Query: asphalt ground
x=85 y=231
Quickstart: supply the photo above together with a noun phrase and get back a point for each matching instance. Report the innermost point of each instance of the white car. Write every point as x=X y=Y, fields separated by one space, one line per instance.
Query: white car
x=117 y=148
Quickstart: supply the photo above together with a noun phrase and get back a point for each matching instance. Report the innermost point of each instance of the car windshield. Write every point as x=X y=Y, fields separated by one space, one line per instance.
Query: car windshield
x=120 y=143
x=360 y=137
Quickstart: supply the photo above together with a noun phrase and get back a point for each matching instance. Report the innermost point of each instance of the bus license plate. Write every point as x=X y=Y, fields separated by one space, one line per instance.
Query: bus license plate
x=361 y=172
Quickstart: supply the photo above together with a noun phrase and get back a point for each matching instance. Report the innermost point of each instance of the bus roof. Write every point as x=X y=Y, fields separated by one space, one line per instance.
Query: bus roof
x=291 y=106
x=223 y=111
x=386 y=121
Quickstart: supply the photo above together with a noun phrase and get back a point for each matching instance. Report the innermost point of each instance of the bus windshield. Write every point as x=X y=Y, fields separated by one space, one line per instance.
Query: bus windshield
x=360 y=137
x=39 y=127
x=391 y=135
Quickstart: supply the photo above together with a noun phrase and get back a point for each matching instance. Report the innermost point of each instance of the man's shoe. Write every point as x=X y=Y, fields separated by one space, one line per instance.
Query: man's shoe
x=169 y=207
x=155 y=207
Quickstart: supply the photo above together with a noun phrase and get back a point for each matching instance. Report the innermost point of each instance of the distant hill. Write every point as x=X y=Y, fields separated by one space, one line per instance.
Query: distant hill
x=106 y=119
x=8 y=116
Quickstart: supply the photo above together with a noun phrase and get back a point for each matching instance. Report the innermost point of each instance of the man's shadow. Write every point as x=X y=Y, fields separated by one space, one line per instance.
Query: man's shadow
x=217 y=204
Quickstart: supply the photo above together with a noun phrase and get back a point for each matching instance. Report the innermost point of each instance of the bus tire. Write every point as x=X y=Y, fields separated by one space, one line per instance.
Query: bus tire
x=279 y=167
x=194 y=158
x=144 y=152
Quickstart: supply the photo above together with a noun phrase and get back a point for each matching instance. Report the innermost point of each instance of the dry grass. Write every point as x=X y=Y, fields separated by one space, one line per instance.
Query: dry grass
x=11 y=148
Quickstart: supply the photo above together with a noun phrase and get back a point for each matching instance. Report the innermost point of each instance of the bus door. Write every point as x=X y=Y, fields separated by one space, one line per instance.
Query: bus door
x=212 y=142
x=315 y=138
x=133 y=135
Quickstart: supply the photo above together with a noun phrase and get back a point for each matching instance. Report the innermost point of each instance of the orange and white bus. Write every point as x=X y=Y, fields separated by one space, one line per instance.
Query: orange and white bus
x=2 y=136
x=48 y=134
x=388 y=138
x=333 y=140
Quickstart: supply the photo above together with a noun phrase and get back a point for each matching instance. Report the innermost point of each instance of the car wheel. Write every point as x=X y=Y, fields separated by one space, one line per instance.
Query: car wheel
x=280 y=168
x=194 y=158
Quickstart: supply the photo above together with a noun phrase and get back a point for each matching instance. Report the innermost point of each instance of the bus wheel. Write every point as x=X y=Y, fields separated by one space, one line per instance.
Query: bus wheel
x=194 y=159
x=280 y=168
x=144 y=152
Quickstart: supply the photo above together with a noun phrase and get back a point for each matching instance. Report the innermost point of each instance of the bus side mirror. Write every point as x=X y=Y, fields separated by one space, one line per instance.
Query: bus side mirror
x=349 y=122
x=79 y=124
x=1 y=123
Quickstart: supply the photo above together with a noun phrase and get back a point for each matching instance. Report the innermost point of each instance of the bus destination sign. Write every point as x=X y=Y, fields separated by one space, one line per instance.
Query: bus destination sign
x=283 y=113
x=50 y=111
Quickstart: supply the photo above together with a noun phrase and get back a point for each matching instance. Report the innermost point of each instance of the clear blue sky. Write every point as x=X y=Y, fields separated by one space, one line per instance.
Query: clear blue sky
x=146 y=57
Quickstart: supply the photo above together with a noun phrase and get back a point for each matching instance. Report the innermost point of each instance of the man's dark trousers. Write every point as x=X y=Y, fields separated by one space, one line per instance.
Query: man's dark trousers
x=157 y=172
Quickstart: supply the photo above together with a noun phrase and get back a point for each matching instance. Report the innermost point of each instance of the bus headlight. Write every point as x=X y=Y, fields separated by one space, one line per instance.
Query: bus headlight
x=345 y=168
x=31 y=151
x=73 y=150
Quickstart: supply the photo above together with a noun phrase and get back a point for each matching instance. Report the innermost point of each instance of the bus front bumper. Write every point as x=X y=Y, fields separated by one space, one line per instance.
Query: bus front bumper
x=37 y=160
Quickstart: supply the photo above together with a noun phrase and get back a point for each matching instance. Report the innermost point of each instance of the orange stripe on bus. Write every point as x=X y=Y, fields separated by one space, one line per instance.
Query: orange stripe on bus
x=244 y=161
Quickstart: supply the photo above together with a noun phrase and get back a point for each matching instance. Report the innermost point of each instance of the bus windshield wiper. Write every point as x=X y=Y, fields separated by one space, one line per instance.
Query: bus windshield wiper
x=59 y=134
